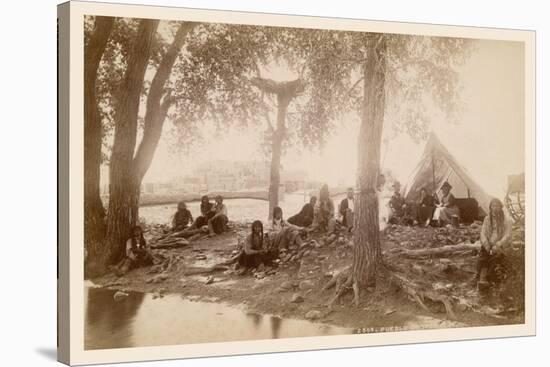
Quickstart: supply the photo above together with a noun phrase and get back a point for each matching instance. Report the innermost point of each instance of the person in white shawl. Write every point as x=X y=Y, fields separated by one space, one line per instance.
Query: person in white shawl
x=383 y=202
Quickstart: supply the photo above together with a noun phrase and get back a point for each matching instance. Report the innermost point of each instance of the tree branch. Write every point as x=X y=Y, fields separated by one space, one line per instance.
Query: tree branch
x=354 y=85
x=290 y=88
x=155 y=111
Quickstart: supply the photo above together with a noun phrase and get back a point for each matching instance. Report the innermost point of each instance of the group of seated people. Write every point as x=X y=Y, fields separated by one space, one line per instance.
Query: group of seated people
x=213 y=218
x=428 y=210
x=318 y=214
x=263 y=248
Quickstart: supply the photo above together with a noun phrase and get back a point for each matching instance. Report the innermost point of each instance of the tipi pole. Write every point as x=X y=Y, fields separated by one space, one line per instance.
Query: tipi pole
x=433 y=173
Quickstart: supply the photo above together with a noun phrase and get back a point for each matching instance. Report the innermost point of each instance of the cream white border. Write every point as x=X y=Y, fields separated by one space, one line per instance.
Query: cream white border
x=79 y=356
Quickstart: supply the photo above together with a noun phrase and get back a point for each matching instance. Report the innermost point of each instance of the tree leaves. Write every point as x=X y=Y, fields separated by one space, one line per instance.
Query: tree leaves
x=211 y=79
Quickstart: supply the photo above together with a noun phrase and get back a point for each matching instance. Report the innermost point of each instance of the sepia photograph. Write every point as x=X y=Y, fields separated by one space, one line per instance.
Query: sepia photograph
x=250 y=182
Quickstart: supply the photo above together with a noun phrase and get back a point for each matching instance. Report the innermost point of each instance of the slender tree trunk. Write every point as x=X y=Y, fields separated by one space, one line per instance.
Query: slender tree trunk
x=123 y=186
x=157 y=106
x=278 y=137
x=366 y=226
x=94 y=212
x=285 y=92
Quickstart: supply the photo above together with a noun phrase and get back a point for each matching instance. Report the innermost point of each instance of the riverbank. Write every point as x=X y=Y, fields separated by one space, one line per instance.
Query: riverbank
x=163 y=199
x=295 y=288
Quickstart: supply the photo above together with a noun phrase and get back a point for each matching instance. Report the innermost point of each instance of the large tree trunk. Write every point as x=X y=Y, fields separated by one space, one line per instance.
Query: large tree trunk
x=366 y=226
x=276 y=151
x=285 y=92
x=123 y=186
x=94 y=212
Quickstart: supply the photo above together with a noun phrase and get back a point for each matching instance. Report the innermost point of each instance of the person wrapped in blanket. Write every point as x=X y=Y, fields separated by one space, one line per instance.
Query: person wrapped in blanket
x=399 y=210
x=206 y=213
x=262 y=248
x=256 y=250
x=425 y=208
x=137 y=253
x=182 y=218
x=217 y=224
x=324 y=212
x=495 y=235
x=347 y=209
x=305 y=217
x=283 y=234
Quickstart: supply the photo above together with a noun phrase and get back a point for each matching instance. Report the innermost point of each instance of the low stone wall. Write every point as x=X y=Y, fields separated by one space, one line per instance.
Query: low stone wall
x=160 y=199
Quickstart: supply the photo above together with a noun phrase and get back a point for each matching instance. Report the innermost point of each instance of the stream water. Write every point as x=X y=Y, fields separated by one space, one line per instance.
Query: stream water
x=240 y=210
x=140 y=320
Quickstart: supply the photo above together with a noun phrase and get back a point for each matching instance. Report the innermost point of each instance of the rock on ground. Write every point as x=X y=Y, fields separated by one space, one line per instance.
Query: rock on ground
x=313 y=315
x=297 y=298
x=119 y=295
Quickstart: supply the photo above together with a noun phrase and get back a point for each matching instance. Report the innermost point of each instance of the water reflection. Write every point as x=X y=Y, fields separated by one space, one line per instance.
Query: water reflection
x=108 y=321
x=140 y=320
x=276 y=323
x=256 y=319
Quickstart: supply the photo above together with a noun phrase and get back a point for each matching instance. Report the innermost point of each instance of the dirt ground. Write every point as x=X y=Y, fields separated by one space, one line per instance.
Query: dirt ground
x=294 y=288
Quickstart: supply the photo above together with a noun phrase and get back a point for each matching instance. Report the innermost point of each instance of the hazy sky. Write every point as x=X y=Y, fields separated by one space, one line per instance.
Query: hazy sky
x=488 y=140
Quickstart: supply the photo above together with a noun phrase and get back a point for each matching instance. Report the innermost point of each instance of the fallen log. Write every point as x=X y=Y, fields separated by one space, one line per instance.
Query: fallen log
x=211 y=269
x=170 y=244
x=442 y=251
x=186 y=233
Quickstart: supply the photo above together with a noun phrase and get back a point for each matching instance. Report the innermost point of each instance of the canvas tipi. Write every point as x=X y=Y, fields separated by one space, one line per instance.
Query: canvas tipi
x=436 y=166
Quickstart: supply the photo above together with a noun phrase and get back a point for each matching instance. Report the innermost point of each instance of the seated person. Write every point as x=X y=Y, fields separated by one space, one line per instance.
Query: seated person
x=137 y=253
x=383 y=206
x=496 y=233
x=397 y=206
x=206 y=213
x=182 y=219
x=283 y=234
x=256 y=251
x=218 y=222
x=305 y=217
x=425 y=208
x=347 y=208
x=324 y=212
x=447 y=208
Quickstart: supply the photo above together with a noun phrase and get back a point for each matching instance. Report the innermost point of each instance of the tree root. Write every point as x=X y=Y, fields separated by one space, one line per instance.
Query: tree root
x=344 y=283
x=222 y=266
x=417 y=293
x=343 y=286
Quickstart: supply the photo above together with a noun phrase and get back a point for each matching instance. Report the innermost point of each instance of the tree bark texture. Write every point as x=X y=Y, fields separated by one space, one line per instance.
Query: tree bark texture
x=123 y=186
x=366 y=227
x=276 y=152
x=94 y=212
